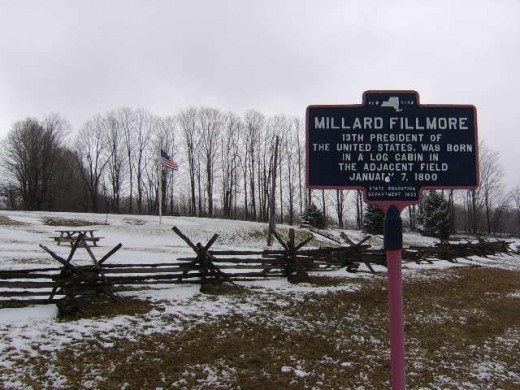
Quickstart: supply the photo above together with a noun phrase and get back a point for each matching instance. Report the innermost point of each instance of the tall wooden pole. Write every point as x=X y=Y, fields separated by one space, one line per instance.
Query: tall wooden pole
x=159 y=175
x=272 y=214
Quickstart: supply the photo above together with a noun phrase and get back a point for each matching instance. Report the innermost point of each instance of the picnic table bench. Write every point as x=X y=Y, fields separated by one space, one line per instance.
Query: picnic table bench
x=70 y=236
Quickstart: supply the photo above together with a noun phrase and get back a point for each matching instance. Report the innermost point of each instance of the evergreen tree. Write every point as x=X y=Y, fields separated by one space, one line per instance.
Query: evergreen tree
x=313 y=217
x=436 y=218
x=374 y=220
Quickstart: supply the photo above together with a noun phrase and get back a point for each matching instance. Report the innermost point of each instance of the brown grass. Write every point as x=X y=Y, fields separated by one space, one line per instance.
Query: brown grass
x=328 y=281
x=4 y=220
x=68 y=222
x=463 y=320
x=220 y=289
x=103 y=306
x=339 y=339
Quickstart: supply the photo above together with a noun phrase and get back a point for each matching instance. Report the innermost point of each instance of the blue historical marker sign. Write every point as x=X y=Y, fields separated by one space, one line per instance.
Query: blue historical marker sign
x=391 y=147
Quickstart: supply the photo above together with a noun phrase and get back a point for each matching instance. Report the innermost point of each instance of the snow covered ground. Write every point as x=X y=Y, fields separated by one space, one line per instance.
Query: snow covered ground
x=35 y=331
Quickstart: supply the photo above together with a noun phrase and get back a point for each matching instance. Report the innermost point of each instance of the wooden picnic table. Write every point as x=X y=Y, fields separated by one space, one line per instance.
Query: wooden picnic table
x=70 y=235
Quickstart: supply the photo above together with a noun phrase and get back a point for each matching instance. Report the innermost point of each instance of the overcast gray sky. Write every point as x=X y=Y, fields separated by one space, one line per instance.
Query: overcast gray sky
x=82 y=58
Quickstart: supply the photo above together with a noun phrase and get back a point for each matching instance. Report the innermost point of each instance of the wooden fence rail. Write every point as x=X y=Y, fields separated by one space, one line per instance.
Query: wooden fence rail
x=68 y=284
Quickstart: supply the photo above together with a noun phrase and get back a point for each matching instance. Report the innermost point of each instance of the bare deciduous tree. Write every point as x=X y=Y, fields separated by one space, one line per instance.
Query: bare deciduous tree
x=145 y=124
x=340 y=207
x=31 y=159
x=515 y=198
x=360 y=219
x=264 y=171
x=254 y=125
x=292 y=172
x=300 y=144
x=230 y=159
x=211 y=126
x=116 y=163
x=93 y=153
x=10 y=195
x=187 y=121
x=491 y=187
x=125 y=118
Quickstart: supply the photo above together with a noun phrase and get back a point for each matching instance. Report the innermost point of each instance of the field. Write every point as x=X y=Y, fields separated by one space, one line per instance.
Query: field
x=462 y=320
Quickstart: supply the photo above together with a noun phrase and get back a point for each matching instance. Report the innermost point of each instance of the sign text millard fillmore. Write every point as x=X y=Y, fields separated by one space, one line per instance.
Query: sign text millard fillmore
x=391 y=146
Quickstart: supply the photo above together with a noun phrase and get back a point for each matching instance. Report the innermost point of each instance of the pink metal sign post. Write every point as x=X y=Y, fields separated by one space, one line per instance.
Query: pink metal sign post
x=392 y=148
x=395 y=298
x=393 y=243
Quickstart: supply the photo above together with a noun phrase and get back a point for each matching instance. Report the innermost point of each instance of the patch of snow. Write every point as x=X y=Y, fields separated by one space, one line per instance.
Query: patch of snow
x=26 y=316
x=35 y=331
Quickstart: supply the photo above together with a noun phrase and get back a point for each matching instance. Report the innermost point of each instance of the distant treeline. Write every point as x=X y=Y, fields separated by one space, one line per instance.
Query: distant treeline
x=226 y=167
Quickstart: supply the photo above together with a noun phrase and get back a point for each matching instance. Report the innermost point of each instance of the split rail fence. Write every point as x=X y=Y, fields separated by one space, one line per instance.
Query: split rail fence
x=69 y=284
